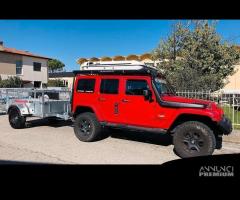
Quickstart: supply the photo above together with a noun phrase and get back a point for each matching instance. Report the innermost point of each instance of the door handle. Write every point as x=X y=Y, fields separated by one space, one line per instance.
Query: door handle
x=102 y=99
x=125 y=100
x=116 y=111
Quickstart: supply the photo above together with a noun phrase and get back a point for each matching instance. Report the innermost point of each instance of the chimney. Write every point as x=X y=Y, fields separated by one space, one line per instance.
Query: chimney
x=1 y=45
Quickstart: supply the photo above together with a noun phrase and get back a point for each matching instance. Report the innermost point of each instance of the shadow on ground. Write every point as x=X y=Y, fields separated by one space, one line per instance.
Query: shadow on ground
x=146 y=137
x=45 y=122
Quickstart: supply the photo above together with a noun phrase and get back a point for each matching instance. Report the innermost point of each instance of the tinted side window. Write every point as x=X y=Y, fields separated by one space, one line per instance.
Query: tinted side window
x=19 y=67
x=86 y=85
x=109 y=86
x=136 y=87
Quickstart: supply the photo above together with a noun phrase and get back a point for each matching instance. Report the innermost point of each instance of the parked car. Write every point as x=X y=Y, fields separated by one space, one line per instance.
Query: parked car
x=140 y=99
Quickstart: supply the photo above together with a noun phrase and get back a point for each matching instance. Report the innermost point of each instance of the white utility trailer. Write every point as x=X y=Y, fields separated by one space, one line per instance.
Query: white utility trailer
x=42 y=103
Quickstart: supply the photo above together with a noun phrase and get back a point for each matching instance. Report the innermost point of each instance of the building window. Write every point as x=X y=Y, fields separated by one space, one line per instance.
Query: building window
x=136 y=87
x=37 y=84
x=65 y=83
x=109 y=86
x=37 y=66
x=86 y=85
x=19 y=67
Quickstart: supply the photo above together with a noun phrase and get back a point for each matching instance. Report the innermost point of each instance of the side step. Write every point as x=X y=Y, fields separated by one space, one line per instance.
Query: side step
x=135 y=128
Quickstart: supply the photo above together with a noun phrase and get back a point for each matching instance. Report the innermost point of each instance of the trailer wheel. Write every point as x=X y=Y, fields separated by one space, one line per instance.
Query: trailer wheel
x=87 y=128
x=193 y=139
x=15 y=119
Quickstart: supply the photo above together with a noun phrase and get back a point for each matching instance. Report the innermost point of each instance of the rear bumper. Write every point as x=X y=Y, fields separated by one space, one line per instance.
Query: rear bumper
x=225 y=125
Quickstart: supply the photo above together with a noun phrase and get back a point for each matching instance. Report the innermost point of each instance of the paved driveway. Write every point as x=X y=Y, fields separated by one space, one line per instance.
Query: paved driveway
x=41 y=142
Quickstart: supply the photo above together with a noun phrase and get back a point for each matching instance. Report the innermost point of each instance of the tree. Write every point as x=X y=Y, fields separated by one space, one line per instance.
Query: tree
x=11 y=82
x=194 y=57
x=55 y=65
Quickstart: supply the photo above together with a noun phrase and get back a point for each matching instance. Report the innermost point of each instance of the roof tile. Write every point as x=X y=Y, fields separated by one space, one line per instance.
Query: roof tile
x=20 y=52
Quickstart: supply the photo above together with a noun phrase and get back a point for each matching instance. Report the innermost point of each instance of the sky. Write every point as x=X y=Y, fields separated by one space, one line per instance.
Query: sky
x=67 y=40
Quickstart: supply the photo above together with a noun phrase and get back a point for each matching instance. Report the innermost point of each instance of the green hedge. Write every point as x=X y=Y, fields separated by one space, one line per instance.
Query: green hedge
x=55 y=83
x=11 y=82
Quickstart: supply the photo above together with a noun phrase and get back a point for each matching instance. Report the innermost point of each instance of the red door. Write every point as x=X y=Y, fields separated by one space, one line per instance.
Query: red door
x=134 y=108
x=109 y=98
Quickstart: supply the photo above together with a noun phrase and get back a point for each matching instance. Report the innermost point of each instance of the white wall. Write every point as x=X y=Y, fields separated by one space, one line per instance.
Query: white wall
x=233 y=82
x=29 y=74
x=68 y=79
x=5 y=76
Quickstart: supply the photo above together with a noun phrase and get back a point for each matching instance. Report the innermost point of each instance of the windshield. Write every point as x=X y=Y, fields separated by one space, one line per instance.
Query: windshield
x=163 y=87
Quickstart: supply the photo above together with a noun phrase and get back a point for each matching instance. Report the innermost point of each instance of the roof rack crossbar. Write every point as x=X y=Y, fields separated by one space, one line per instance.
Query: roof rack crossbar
x=110 y=64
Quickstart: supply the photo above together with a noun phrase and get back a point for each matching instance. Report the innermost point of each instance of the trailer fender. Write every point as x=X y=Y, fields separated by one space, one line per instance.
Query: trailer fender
x=23 y=109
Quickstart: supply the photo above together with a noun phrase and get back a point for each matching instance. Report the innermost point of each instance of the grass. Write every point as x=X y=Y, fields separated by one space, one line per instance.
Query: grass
x=229 y=112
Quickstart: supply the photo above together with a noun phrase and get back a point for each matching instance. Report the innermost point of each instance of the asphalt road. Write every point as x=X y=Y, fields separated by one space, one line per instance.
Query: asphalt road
x=41 y=142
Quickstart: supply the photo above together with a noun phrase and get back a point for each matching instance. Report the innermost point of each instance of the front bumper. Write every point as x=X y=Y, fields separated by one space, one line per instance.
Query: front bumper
x=225 y=125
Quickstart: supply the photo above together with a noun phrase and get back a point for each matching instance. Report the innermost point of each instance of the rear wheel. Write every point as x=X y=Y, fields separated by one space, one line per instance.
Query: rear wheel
x=15 y=119
x=87 y=128
x=193 y=139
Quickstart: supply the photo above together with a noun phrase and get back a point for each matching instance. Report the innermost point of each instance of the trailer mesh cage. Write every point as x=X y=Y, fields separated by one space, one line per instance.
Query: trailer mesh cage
x=42 y=96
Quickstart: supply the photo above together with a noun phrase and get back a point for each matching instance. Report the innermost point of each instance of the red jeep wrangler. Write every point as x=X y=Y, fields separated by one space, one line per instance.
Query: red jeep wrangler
x=140 y=99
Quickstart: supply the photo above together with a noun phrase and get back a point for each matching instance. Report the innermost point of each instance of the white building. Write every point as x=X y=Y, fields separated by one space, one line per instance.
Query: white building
x=144 y=59
x=67 y=78
x=31 y=68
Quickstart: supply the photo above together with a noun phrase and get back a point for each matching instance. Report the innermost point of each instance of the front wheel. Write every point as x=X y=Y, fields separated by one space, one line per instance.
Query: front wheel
x=193 y=139
x=15 y=119
x=87 y=128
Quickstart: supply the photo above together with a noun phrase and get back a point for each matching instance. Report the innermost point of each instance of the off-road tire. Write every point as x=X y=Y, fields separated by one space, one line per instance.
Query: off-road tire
x=15 y=119
x=87 y=128
x=200 y=137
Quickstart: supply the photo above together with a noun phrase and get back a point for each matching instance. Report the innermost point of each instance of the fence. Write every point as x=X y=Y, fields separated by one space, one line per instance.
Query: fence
x=229 y=101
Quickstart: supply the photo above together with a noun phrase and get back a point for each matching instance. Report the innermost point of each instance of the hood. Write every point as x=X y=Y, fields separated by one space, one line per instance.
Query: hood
x=184 y=100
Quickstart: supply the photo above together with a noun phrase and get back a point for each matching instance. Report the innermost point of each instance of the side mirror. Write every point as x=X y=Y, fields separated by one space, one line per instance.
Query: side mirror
x=147 y=95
